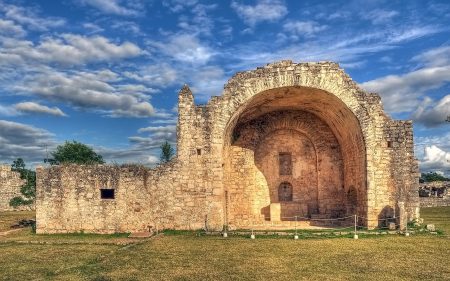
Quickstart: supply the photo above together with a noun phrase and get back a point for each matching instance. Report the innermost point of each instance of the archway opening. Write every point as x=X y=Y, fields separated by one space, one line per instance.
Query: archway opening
x=305 y=137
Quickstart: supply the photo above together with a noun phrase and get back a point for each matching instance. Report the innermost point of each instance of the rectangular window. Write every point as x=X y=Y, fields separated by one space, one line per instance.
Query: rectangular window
x=107 y=193
x=199 y=151
x=285 y=163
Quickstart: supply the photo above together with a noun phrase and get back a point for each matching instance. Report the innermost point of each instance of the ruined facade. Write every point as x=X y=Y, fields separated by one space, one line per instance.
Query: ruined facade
x=10 y=184
x=285 y=140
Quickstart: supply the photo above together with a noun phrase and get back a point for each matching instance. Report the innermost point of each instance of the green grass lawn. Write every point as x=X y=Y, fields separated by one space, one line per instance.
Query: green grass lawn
x=189 y=257
x=438 y=216
x=9 y=218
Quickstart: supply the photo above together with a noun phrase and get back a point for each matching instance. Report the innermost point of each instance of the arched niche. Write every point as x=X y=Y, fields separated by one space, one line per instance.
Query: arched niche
x=339 y=130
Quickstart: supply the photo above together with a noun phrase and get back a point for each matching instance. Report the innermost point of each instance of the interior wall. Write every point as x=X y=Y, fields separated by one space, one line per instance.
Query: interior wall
x=253 y=168
x=302 y=176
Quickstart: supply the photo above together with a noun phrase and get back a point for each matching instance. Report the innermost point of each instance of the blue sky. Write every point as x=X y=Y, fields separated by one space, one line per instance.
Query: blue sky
x=107 y=72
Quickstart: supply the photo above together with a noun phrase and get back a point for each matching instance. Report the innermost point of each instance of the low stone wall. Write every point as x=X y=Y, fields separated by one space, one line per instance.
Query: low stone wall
x=10 y=184
x=111 y=199
x=434 y=201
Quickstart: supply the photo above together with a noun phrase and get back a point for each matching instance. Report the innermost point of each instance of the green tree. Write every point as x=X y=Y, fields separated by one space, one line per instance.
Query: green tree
x=74 y=152
x=28 y=189
x=167 y=152
x=432 y=176
x=18 y=165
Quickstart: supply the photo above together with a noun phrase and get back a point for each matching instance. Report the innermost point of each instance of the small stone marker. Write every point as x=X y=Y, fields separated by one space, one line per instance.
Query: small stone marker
x=431 y=227
x=391 y=226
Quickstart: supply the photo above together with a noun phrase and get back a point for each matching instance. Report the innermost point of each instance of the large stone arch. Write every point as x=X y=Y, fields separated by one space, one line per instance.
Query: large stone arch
x=322 y=89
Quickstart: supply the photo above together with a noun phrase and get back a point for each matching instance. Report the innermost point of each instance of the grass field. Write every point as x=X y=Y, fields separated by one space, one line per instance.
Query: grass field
x=26 y=256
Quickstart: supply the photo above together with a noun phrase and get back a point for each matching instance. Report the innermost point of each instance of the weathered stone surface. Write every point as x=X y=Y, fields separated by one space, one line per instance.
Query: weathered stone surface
x=302 y=135
x=434 y=194
x=392 y=226
x=431 y=227
x=10 y=184
x=434 y=189
x=434 y=201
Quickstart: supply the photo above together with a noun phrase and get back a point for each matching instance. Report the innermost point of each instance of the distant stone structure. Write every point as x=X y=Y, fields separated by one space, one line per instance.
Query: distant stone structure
x=10 y=184
x=284 y=140
x=434 y=189
x=434 y=194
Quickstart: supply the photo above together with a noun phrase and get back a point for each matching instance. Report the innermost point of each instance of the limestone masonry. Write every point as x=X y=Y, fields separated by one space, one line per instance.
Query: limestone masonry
x=284 y=140
x=10 y=184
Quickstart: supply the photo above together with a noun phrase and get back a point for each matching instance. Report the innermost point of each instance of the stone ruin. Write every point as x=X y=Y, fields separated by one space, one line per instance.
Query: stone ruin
x=10 y=184
x=434 y=189
x=284 y=140
x=434 y=194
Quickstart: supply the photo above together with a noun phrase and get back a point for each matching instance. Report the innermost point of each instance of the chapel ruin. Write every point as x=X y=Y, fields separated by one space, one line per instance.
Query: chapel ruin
x=285 y=140
x=10 y=184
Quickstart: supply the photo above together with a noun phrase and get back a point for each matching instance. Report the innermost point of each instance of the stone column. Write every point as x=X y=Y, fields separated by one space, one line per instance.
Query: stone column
x=402 y=215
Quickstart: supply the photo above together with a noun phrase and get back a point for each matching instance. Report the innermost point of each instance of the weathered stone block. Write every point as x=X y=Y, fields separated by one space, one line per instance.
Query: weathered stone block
x=275 y=212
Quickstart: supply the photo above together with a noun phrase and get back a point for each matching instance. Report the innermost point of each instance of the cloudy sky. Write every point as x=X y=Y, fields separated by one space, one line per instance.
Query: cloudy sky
x=107 y=72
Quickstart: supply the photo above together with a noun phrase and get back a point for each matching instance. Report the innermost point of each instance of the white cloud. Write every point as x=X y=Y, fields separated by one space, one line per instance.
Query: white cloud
x=207 y=81
x=435 y=159
x=155 y=75
x=152 y=160
x=89 y=91
x=342 y=47
x=432 y=113
x=80 y=49
x=156 y=129
x=29 y=16
x=25 y=141
x=166 y=121
x=264 y=10
x=401 y=93
x=379 y=16
x=68 y=49
x=200 y=21
x=35 y=108
x=157 y=135
x=128 y=27
x=93 y=28
x=113 y=7
x=337 y=15
x=179 y=5
x=9 y=28
x=7 y=110
x=303 y=28
x=185 y=48
x=435 y=57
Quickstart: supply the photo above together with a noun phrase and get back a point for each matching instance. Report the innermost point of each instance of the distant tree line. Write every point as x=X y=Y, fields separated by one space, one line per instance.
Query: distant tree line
x=432 y=176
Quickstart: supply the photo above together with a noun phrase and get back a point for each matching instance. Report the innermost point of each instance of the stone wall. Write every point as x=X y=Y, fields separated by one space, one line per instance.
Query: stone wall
x=434 y=202
x=69 y=200
x=10 y=184
x=364 y=160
